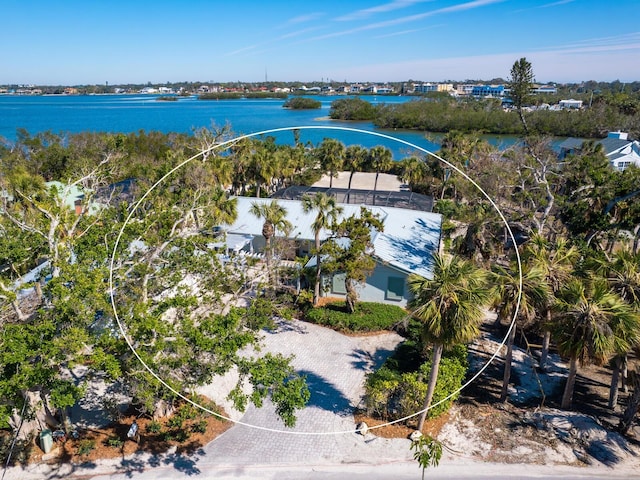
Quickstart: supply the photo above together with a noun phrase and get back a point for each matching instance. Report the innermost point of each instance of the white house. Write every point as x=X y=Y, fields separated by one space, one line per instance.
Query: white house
x=570 y=104
x=620 y=151
x=407 y=244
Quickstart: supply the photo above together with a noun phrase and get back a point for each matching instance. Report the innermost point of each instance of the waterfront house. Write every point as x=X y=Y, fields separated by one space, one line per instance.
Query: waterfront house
x=407 y=244
x=620 y=151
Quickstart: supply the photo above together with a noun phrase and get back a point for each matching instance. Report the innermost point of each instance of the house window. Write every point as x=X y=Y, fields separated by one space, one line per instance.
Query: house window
x=395 y=288
x=337 y=284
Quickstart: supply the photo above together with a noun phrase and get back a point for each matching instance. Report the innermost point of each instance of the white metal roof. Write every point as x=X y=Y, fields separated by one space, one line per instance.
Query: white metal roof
x=409 y=240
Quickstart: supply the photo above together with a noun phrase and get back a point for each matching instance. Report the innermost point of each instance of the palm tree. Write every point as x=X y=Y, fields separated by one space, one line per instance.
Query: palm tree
x=354 y=159
x=505 y=291
x=587 y=329
x=286 y=166
x=219 y=208
x=381 y=160
x=556 y=260
x=275 y=218
x=241 y=152
x=623 y=275
x=262 y=167
x=331 y=156
x=413 y=170
x=450 y=307
x=633 y=404
x=328 y=212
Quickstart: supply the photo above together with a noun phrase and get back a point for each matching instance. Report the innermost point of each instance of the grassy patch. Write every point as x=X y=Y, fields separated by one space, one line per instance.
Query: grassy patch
x=368 y=317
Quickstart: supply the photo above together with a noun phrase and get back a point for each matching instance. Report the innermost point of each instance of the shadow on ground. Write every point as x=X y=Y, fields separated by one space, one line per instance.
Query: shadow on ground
x=325 y=395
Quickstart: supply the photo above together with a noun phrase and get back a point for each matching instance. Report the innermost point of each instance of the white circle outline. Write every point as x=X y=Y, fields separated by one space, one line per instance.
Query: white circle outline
x=286 y=129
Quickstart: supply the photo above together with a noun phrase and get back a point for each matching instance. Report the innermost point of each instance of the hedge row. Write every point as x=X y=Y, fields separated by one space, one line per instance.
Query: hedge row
x=368 y=317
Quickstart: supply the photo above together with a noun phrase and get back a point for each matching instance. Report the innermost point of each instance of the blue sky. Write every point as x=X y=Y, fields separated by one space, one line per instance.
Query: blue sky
x=71 y=42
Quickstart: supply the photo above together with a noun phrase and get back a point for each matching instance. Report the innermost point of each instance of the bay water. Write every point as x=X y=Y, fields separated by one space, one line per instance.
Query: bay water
x=62 y=114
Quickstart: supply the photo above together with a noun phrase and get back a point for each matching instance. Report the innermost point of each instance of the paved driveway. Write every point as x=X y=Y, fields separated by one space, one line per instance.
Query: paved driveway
x=335 y=366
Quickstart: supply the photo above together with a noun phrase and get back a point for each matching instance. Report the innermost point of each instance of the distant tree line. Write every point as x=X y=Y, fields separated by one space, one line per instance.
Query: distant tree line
x=445 y=114
x=302 y=103
x=582 y=90
x=238 y=95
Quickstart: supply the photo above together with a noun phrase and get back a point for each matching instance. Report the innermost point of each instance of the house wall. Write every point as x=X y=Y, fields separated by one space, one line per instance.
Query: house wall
x=378 y=287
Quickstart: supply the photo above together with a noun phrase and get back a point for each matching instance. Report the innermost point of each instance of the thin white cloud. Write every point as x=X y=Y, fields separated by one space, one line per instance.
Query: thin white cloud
x=546 y=5
x=555 y=4
x=241 y=50
x=309 y=17
x=406 y=32
x=603 y=62
x=384 y=8
x=411 y=18
x=397 y=34
x=625 y=38
x=297 y=33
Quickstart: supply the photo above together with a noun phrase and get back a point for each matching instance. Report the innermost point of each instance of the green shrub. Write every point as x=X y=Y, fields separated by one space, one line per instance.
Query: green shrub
x=180 y=435
x=368 y=317
x=86 y=446
x=154 y=427
x=175 y=422
x=199 y=427
x=115 y=442
x=390 y=394
x=352 y=109
x=380 y=388
x=187 y=411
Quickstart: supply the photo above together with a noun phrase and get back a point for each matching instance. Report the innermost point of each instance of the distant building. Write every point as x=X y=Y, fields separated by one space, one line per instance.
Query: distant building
x=425 y=88
x=385 y=90
x=621 y=151
x=570 y=104
x=617 y=147
x=545 y=89
x=464 y=89
x=481 y=91
x=432 y=87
